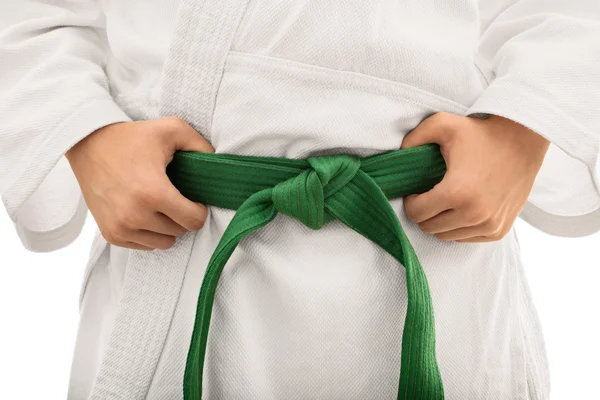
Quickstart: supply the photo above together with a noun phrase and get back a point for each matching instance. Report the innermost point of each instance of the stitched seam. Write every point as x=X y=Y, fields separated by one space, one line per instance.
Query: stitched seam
x=332 y=78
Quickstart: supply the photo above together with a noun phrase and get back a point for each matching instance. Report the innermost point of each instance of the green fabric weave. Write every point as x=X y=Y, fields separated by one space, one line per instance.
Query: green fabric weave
x=352 y=190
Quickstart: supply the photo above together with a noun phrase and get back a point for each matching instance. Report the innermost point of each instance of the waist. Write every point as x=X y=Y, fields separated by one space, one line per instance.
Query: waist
x=227 y=180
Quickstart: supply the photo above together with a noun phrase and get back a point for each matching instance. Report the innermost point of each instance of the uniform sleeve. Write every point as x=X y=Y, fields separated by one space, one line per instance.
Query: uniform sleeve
x=53 y=92
x=542 y=62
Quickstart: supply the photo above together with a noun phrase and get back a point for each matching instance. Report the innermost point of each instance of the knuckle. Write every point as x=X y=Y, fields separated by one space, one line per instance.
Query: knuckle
x=494 y=225
x=147 y=194
x=444 y=120
x=119 y=232
x=494 y=238
x=152 y=196
x=137 y=191
x=108 y=236
x=410 y=212
x=459 y=193
x=131 y=219
x=196 y=223
x=476 y=213
x=173 y=122
x=124 y=217
x=115 y=232
x=442 y=116
x=197 y=219
x=502 y=233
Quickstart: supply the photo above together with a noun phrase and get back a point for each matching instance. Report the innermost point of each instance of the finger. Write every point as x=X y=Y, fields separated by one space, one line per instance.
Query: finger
x=421 y=207
x=130 y=245
x=188 y=214
x=184 y=137
x=152 y=239
x=135 y=246
x=478 y=239
x=160 y=223
x=463 y=233
x=450 y=220
x=433 y=129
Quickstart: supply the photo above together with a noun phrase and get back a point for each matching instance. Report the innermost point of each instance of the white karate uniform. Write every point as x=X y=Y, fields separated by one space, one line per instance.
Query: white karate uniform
x=299 y=314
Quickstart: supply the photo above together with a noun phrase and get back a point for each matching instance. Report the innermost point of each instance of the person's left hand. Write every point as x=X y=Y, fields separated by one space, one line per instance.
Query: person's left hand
x=491 y=167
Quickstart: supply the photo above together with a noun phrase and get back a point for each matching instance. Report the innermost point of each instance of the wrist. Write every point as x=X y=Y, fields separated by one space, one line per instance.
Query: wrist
x=71 y=154
x=536 y=144
x=530 y=140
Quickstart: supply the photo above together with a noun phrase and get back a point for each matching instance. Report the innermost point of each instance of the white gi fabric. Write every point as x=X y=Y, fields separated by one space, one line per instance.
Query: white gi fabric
x=299 y=314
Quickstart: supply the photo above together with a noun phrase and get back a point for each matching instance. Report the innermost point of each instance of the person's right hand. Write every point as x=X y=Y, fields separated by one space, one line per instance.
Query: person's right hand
x=121 y=171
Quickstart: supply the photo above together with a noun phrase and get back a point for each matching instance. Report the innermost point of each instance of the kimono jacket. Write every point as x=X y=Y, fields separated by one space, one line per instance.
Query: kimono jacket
x=299 y=314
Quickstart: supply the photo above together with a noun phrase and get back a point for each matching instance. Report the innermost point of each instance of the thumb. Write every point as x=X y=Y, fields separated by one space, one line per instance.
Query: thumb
x=433 y=129
x=186 y=138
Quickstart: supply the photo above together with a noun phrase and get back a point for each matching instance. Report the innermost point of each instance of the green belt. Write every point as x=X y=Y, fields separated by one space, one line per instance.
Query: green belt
x=352 y=190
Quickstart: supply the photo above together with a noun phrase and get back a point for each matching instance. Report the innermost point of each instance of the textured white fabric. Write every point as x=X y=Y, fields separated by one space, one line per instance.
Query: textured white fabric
x=53 y=92
x=293 y=318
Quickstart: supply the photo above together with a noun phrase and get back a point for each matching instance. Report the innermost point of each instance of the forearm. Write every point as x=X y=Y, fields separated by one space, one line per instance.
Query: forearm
x=53 y=92
x=542 y=61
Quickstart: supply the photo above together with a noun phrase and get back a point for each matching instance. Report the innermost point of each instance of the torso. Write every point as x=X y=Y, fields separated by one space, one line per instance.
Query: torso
x=303 y=314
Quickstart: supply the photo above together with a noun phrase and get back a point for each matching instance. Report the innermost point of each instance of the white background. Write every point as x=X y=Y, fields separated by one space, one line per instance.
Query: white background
x=39 y=300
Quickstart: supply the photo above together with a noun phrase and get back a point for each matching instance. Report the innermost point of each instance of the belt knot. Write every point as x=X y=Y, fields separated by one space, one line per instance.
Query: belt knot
x=303 y=197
